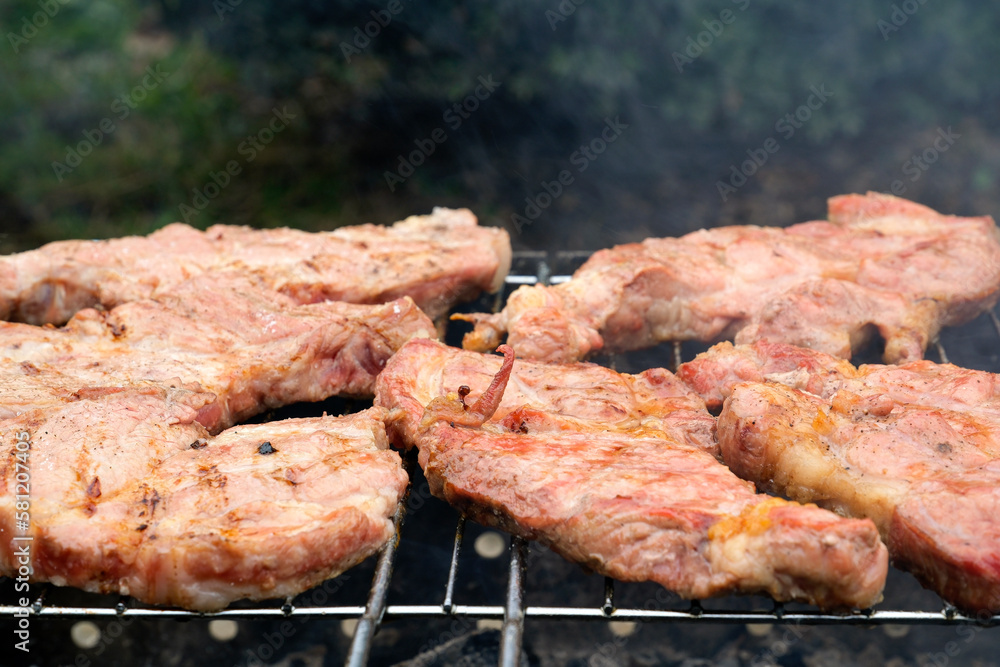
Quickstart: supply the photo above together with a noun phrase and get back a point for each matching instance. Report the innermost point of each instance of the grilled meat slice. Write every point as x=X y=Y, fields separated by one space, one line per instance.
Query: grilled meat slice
x=223 y=333
x=713 y=374
x=606 y=480
x=569 y=397
x=129 y=494
x=437 y=260
x=879 y=263
x=916 y=448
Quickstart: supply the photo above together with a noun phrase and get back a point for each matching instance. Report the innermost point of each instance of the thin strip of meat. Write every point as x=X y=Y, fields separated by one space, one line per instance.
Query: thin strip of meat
x=879 y=264
x=916 y=448
x=569 y=397
x=623 y=485
x=251 y=347
x=437 y=260
x=130 y=494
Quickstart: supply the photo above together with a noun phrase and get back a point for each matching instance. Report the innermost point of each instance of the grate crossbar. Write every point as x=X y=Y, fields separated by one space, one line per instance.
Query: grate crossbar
x=514 y=612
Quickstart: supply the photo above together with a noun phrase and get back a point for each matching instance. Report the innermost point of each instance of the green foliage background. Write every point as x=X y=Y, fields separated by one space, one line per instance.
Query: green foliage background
x=231 y=65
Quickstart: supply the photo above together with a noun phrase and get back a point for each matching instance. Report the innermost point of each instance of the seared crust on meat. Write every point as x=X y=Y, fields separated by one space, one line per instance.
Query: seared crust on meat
x=916 y=448
x=879 y=264
x=437 y=260
x=131 y=495
x=129 y=492
x=252 y=347
x=623 y=485
x=569 y=397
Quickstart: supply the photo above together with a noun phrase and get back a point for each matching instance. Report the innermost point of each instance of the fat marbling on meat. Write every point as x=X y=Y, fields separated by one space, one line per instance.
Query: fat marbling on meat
x=250 y=346
x=915 y=447
x=131 y=495
x=879 y=263
x=128 y=490
x=617 y=473
x=437 y=260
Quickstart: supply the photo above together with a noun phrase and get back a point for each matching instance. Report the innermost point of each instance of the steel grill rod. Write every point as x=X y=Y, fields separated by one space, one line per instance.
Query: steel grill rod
x=513 y=621
x=608 y=607
x=449 y=592
x=364 y=633
x=513 y=615
x=407 y=611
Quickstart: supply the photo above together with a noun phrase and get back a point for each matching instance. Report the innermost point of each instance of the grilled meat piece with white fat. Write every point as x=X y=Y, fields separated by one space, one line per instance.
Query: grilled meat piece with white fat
x=615 y=472
x=437 y=260
x=916 y=448
x=130 y=494
x=225 y=334
x=879 y=263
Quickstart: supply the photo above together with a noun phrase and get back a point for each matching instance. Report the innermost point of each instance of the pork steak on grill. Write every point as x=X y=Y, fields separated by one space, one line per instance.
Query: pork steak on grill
x=225 y=334
x=879 y=263
x=130 y=494
x=615 y=472
x=916 y=448
x=437 y=260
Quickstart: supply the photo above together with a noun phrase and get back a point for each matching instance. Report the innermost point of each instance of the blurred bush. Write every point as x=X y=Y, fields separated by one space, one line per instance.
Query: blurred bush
x=563 y=67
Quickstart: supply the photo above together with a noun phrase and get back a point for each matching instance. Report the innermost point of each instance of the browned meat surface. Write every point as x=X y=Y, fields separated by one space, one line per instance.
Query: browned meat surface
x=879 y=263
x=617 y=475
x=251 y=347
x=916 y=448
x=437 y=260
x=713 y=374
x=130 y=494
x=572 y=396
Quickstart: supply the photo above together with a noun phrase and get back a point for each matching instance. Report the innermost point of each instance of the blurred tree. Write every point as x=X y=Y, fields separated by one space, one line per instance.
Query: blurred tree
x=700 y=83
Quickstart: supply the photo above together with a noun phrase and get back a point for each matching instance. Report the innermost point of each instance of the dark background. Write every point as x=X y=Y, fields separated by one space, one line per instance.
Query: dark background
x=562 y=69
x=700 y=91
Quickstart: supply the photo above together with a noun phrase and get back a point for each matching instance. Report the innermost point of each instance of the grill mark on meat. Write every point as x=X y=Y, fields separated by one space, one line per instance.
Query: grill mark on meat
x=94 y=490
x=198 y=444
x=266 y=448
x=29 y=368
x=150 y=499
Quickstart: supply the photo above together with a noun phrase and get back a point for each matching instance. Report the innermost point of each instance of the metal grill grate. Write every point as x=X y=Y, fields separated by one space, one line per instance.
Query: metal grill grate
x=529 y=268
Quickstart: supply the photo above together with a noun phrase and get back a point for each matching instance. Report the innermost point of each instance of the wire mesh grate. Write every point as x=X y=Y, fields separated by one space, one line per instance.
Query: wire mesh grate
x=530 y=269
